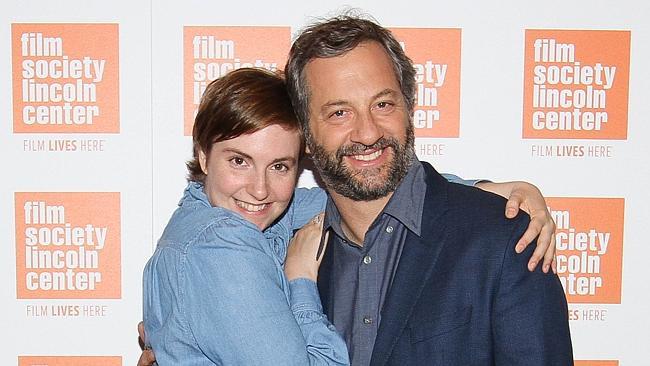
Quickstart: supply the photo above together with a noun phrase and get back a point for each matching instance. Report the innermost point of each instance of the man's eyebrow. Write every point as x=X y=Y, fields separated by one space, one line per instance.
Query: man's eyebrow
x=386 y=92
x=340 y=102
x=334 y=103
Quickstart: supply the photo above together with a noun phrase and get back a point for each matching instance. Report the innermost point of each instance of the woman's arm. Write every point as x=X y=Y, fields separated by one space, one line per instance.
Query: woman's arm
x=238 y=312
x=306 y=203
x=301 y=267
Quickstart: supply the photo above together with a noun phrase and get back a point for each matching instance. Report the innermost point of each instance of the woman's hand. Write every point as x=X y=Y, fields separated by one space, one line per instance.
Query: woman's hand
x=147 y=358
x=301 y=259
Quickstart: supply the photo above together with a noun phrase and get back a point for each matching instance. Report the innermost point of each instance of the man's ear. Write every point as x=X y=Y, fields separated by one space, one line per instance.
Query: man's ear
x=203 y=161
x=307 y=151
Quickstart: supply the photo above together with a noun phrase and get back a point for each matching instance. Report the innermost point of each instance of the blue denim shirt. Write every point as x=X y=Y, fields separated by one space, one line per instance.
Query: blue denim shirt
x=215 y=291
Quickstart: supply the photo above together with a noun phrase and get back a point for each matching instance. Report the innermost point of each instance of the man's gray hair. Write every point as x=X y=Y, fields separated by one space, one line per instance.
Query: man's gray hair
x=334 y=37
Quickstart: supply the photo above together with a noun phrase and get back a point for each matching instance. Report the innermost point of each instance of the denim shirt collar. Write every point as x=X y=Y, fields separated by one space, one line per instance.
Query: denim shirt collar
x=194 y=194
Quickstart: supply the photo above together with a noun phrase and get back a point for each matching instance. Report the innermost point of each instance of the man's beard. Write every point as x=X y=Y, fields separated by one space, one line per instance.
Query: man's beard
x=364 y=184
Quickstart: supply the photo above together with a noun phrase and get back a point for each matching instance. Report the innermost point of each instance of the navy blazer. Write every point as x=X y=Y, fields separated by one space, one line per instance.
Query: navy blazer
x=461 y=295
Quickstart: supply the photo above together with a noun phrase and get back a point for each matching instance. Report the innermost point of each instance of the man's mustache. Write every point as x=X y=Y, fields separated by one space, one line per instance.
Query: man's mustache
x=358 y=148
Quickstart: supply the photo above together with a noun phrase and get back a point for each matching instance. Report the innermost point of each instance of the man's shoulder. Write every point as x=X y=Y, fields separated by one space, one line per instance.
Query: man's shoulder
x=437 y=184
x=470 y=212
x=459 y=198
x=463 y=196
x=480 y=209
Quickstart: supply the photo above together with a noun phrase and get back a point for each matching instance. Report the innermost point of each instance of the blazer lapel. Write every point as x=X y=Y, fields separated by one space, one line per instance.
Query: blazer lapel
x=416 y=265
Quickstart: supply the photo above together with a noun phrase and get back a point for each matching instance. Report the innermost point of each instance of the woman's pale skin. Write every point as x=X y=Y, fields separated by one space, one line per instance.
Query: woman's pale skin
x=255 y=175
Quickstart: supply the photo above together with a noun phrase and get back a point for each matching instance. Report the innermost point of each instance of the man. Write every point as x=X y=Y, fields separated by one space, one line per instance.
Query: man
x=428 y=267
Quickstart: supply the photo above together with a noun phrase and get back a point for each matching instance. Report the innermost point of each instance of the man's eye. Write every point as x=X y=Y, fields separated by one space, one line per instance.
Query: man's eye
x=339 y=113
x=383 y=105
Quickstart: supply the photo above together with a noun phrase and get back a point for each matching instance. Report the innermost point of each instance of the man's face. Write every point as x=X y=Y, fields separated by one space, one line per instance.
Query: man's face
x=360 y=137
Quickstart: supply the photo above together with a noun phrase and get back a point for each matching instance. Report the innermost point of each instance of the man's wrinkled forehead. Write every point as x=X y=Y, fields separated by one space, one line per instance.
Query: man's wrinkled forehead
x=343 y=61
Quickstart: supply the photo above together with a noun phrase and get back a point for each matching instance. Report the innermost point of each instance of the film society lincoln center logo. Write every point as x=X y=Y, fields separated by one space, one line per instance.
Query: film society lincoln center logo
x=69 y=360
x=589 y=242
x=211 y=52
x=68 y=245
x=65 y=78
x=436 y=58
x=576 y=84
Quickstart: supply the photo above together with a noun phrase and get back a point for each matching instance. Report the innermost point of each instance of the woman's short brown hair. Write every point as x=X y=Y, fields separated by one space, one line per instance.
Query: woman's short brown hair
x=242 y=102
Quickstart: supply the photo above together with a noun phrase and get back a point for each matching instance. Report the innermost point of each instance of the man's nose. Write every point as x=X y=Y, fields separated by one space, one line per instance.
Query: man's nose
x=366 y=131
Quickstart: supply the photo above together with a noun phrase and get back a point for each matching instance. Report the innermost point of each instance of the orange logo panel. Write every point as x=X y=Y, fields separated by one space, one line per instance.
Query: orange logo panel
x=69 y=361
x=65 y=78
x=211 y=52
x=576 y=84
x=595 y=363
x=589 y=242
x=436 y=57
x=68 y=245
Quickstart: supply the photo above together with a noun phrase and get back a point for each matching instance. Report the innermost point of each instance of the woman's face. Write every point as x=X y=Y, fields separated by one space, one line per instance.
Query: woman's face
x=253 y=174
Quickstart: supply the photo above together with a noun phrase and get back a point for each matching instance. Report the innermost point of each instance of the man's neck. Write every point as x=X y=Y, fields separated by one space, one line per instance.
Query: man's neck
x=357 y=216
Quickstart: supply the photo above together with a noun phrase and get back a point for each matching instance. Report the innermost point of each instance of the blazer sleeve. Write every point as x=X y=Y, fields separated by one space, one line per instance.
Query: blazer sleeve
x=530 y=317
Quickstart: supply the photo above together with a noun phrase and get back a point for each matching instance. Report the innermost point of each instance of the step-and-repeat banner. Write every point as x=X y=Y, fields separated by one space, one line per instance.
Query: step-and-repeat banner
x=98 y=100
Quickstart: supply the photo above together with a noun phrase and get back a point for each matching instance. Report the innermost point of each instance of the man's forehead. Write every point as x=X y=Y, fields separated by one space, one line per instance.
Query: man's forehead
x=368 y=60
x=369 y=45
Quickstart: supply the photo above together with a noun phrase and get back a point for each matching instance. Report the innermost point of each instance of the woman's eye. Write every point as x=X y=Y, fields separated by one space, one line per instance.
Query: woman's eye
x=280 y=167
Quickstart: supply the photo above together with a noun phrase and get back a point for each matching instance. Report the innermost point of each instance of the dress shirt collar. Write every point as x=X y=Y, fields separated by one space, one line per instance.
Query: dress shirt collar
x=405 y=205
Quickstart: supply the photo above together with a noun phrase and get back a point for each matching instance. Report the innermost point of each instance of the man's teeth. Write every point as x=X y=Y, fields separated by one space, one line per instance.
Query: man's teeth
x=368 y=157
x=250 y=207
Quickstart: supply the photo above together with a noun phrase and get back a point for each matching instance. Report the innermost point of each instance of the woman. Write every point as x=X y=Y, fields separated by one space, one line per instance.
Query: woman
x=215 y=290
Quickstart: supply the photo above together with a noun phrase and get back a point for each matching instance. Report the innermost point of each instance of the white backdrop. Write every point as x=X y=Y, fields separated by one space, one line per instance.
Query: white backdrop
x=141 y=162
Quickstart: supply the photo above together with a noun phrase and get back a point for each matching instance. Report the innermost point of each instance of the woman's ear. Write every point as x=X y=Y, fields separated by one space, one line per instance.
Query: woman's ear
x=203 y=161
